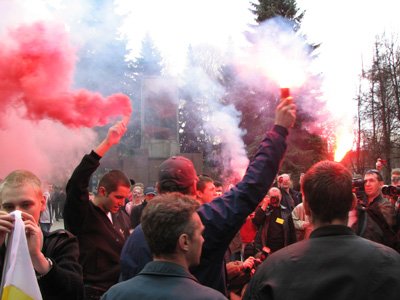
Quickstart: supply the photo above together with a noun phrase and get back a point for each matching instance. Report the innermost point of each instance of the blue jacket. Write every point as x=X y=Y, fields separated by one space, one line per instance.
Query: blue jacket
x=162 y=280
x=222 y=217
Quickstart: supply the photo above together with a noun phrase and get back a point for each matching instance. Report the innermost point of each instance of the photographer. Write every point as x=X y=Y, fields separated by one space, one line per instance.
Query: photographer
x=376 y=214
x=275 y=223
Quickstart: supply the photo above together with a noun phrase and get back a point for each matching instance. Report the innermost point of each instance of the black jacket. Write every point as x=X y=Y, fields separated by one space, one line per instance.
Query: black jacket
x=64 y=280
x=100 y=241
x=333 y=264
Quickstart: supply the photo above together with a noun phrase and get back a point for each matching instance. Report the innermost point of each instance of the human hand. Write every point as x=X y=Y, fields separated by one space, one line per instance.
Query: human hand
x=285 y=114
x=115 y=133
x=249 y=263
x=265 y=202
x=34 y=235
x=6 y=225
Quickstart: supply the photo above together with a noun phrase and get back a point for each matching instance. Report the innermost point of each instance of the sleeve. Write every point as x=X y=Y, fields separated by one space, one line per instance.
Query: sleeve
x=224 y=216
x=77 y=198
x=135 y=254
x=388 y=212
x=259 y=217
x=297 y=215
x=65 y=277
x=135 y=215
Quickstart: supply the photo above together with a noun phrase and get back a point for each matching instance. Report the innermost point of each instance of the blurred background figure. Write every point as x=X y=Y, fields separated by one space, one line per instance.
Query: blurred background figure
x=47 y=216
x=136 y=213
x=137 y=197
x=290 y=197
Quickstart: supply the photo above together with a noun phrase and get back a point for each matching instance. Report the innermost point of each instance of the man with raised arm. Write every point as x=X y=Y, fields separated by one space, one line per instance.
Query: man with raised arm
x=222 y=217
x=100 y=226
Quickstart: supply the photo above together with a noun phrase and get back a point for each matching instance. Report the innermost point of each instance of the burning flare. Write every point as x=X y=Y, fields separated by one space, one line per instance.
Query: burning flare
x=344 y=143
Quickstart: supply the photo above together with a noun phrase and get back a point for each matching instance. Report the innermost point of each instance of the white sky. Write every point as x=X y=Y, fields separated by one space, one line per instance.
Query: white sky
x=174 y=24
x=347 y=31
x=345 y=28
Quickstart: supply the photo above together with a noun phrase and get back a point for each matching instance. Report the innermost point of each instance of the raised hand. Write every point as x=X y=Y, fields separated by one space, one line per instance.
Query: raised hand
x=285 y=114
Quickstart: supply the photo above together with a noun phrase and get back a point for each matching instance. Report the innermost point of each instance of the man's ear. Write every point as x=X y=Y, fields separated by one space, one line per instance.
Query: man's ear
x=355 y=200
x=42 y=203
x=101 y=191
x=184 y=242
x=306 y=207
x=199 y=194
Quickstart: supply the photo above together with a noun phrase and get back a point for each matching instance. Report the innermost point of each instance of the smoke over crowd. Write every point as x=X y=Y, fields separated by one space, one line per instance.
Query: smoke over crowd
x=42 y=104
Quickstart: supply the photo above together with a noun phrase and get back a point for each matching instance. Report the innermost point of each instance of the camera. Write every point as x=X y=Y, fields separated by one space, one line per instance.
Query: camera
x=391 y=190
x=274 y=201
x=358 y=188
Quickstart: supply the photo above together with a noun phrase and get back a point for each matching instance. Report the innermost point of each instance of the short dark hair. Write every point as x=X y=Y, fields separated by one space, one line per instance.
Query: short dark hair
x=375 y=171
x=113 y=179
x=171 y=187
x=201 y=184
x=327 y=188
x=165 y=218
x=217 y=183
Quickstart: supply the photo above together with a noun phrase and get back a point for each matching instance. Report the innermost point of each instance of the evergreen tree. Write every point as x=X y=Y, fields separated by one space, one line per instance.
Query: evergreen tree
x=148 y=63
x=267 y=9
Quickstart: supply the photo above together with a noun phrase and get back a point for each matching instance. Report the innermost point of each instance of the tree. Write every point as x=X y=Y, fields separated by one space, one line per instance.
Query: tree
x=148 y=63
x=378 y=118
x=267 y=9
x=102 y=66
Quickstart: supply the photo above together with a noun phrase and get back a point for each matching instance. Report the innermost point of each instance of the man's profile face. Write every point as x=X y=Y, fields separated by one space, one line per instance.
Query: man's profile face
x=208 y=194
x=372 y=185
x=114 y=200
x=196 y=241
x=24 y=198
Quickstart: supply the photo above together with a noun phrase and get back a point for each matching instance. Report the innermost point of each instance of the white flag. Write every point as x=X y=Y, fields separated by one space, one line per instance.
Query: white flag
x=19 y=281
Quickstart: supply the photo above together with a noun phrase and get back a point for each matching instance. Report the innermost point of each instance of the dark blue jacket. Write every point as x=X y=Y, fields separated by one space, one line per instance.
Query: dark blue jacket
x=222 y=218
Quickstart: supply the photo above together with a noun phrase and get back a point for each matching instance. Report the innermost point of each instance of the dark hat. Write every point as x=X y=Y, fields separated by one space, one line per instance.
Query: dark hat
x=150 y=190
x=177 y=170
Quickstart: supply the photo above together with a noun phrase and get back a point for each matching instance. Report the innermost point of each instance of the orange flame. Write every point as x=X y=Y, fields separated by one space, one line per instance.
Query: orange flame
x=344 y=143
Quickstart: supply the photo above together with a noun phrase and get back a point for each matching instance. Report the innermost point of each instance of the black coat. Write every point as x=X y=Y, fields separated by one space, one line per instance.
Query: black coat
x=100 y=241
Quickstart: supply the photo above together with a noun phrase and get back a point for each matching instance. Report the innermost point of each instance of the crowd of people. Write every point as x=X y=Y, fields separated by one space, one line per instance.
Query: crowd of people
x=188 y=238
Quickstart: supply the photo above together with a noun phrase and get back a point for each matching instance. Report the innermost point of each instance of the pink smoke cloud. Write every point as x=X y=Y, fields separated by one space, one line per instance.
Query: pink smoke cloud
x=36 y=71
